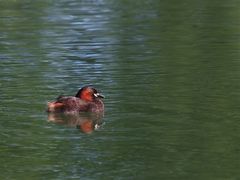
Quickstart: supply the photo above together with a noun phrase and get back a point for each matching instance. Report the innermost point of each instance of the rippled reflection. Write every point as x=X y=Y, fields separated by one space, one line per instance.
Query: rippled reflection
x=85 y=122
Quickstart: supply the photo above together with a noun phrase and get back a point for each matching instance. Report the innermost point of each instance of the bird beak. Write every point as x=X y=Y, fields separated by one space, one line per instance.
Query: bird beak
x=97 y=95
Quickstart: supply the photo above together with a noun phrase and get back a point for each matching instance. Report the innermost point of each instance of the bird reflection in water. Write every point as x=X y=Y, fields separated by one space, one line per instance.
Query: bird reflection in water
x=85 y=122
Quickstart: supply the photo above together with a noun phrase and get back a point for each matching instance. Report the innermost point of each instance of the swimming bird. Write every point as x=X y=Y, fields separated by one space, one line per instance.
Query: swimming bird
x=87 y=99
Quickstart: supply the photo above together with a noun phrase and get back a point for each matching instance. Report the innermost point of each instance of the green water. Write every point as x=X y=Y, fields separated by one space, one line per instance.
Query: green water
x=170 y=72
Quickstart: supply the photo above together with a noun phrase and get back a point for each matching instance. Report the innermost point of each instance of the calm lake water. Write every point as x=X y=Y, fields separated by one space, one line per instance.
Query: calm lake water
x=170 y=72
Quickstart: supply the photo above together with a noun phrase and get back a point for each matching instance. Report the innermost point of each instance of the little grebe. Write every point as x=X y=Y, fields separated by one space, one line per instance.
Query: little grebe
x=86 y=100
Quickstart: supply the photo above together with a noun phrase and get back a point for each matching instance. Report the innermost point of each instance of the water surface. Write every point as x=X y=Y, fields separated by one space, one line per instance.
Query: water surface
x=169 y=71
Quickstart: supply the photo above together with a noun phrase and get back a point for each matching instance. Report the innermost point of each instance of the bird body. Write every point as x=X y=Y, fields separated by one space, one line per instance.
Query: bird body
x=86 y=100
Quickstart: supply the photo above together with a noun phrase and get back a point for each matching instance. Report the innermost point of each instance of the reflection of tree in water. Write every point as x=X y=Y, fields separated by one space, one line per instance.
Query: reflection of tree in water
x=86 y=122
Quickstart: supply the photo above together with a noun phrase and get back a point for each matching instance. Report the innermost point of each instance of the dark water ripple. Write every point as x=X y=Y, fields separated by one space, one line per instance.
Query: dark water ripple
x=169 y=71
